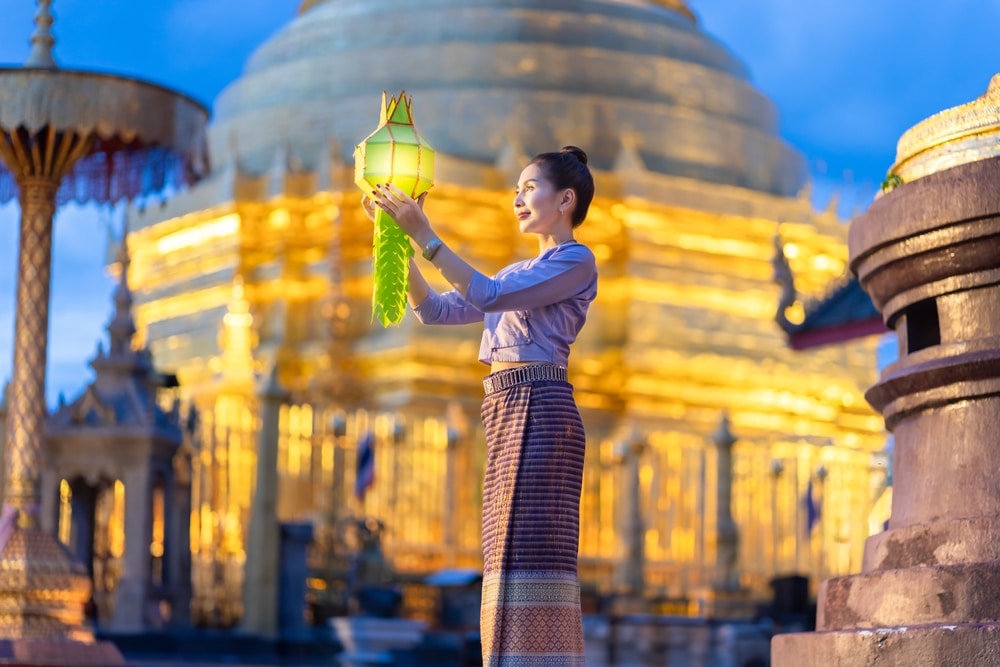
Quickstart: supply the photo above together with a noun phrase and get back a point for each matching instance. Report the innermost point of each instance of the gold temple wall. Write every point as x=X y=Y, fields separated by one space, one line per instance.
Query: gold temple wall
x=682 y=331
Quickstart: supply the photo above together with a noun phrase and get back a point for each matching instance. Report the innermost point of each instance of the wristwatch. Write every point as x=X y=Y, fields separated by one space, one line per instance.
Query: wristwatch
x=431 y=248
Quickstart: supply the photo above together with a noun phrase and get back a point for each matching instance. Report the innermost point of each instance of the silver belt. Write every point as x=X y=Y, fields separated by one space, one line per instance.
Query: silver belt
x=522 y=375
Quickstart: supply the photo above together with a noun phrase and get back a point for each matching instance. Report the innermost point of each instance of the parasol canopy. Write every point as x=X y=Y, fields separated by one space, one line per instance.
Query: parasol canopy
x=133 y=137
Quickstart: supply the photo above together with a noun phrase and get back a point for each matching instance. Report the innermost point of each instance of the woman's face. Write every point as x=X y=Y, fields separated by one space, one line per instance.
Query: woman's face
x=537 y=202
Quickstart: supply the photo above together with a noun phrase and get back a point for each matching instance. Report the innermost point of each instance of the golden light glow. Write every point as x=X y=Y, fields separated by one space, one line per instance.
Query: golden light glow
x=683 y=328
x=195 y=236
x=116 y=522
x=796 y=313
x=65 y=512
x=159 y=521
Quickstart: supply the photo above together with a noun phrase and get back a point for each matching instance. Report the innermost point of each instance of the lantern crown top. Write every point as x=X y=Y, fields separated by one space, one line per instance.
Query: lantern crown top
x=397 y=109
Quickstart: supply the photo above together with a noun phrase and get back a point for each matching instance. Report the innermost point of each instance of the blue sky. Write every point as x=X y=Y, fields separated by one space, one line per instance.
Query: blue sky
x=848 y=77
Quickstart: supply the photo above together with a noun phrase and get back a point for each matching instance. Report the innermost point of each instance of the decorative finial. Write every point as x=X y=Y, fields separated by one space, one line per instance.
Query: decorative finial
x=42 y=39
x=959 y=135
x=122 y=326
x=785 y=279
x=723 y=436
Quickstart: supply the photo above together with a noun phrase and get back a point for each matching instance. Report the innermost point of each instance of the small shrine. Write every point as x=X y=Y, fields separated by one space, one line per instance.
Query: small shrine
x=116 y=483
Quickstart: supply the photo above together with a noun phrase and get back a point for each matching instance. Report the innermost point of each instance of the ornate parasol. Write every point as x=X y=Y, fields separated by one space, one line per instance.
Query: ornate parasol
x=67 y=136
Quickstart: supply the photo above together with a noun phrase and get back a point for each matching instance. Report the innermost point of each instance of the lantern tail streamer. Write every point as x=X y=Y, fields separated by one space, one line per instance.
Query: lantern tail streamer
x=390 y=270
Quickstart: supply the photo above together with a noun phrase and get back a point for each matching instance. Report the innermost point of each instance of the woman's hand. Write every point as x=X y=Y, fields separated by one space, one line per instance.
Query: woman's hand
x=368 y=206
x=405 y=210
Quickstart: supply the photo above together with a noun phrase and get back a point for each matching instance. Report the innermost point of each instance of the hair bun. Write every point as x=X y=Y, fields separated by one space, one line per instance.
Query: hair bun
x=580 y=154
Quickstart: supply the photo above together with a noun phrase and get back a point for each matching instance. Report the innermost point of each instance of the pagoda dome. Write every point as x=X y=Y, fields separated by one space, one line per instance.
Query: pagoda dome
x=486 y=75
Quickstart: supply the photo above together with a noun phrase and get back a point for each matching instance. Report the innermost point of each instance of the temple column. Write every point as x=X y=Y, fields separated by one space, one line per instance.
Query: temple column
x=4 y=404
x=49 y=603
x=49 y=513
x=260 y=581
x=179 y=547
x=631 y=573
x=132 y=594
x=28 y=412
x=727 y=535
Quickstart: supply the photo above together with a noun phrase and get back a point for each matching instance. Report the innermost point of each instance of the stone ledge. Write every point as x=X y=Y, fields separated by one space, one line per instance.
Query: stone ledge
x=58 y=653
x=912 y=646
x=912 y=596
x=940 y=543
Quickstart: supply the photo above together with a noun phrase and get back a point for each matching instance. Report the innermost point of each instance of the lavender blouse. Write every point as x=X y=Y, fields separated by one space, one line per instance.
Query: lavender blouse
x=532 y=310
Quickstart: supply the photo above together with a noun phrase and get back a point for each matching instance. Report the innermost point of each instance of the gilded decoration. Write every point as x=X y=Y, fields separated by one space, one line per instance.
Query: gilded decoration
x=700 y=203
x=955 y=136
x=42 y=591
x=125 y=149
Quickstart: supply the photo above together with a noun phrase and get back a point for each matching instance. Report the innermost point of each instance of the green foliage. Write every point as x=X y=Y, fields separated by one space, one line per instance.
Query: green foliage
x=390 y=271
x=891 y=182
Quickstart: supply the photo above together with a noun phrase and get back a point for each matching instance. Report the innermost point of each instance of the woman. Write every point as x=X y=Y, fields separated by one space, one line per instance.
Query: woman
x=532 y=311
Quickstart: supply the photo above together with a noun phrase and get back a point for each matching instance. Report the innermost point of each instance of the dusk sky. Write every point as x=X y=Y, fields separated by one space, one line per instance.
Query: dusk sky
x=848 y=78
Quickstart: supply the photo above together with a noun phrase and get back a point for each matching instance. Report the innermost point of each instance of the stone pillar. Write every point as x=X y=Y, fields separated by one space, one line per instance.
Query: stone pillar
x=927 y=253
x=179 y=535
x=133 y=587
x=294 y=568
x=452 y=443
x=631 y=574
x=50 y=501
x=260 y=581
x=727 y=538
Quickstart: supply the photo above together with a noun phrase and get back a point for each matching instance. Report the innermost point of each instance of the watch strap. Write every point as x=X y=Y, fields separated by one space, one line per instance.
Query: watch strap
x=431 y=248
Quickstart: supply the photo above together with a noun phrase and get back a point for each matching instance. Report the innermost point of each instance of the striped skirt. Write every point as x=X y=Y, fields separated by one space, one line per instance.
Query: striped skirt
x=530 y=615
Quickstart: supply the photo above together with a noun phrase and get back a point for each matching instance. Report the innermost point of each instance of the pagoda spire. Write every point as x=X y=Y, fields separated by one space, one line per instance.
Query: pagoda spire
x=121 y=328
x=42 y=39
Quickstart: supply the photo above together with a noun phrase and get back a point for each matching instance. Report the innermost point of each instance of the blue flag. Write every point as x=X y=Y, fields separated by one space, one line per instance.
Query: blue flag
x=813 y=508
x=365 y=465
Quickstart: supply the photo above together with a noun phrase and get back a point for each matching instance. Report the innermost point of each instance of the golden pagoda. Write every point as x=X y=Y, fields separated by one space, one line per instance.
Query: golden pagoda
x=268 y=264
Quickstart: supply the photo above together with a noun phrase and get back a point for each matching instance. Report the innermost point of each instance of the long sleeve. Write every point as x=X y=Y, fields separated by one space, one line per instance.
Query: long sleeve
x=448 y=308
x=559 y=274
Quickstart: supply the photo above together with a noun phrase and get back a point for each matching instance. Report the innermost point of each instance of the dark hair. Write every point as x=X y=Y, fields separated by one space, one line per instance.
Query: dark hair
x=567 y=168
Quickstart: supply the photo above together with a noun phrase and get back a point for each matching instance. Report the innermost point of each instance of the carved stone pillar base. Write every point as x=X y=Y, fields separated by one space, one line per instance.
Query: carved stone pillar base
x=42 y=597
x=42 y=590
x=927 y=594
x=938 y=644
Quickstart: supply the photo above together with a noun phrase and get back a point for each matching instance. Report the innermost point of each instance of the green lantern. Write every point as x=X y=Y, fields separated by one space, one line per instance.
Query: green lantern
x=394 y=153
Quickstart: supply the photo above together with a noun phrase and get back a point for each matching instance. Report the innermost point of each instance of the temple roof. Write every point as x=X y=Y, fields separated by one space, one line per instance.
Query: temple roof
x=489 y=74
x=846 y=313
x=123 y=393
